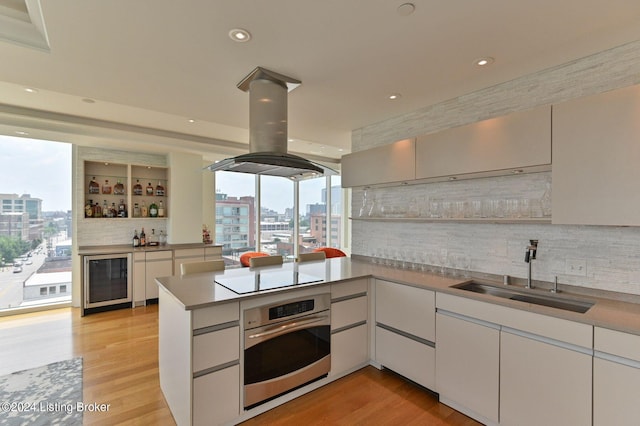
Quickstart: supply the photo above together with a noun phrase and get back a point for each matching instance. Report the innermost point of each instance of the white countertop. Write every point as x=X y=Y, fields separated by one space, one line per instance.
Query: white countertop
x=200 y=290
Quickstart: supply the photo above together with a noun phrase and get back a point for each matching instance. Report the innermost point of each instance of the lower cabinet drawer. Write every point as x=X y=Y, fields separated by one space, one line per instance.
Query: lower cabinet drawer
x=216 y=348
x=350 y=311
x=216 y=397
x=412 y=359
x=349 y=349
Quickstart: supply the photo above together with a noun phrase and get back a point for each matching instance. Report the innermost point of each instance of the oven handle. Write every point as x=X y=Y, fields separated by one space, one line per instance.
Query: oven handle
x=286 y=327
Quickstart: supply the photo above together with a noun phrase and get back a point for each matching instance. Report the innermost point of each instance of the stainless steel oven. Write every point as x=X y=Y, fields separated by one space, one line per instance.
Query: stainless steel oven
x=107 y=282
x=286 y=345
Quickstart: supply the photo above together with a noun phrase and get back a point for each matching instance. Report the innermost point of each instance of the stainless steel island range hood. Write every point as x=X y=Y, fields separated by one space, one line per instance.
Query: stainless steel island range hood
x=268 y=131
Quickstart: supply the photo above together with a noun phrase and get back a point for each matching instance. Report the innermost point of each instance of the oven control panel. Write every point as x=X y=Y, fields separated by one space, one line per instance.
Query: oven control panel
x=293 y=308
x=287 y=309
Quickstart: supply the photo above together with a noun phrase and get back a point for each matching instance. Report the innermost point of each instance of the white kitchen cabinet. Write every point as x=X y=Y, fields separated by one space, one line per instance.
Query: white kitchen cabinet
x=158 y=264
x=349 y=326
x=545 y=363
x=139 y=279
x=390 y=163
x=212 y=252
x=186 y=255
x=409 y=309
x=595 y=159
x=468 y=365
x=408 y=357
x=405 y=331
x=514 y=142
x=543 y=382
x=199 y=360
x=616 y=378
x=216 y=397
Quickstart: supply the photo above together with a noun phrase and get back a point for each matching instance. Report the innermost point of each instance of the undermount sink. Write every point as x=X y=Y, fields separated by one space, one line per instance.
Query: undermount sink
x=574 y=305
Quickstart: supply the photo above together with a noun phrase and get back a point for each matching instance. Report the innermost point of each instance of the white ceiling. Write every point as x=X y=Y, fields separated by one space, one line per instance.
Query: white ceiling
x=157 y=63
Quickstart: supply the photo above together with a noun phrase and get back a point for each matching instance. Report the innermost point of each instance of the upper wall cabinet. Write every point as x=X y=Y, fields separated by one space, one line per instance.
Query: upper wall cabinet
x=385 y=164
x=596 y=153
x=515 y=143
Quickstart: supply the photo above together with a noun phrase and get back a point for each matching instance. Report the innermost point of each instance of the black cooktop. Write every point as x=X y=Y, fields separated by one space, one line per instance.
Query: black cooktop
x=266 y=280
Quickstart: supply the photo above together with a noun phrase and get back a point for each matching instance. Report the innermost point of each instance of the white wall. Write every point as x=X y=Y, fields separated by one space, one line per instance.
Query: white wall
x=186 y=183
x=611 y=255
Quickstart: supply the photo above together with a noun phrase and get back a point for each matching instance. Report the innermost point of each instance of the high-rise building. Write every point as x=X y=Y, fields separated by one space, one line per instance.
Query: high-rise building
x=318 y=230
x=21 y=216
x=13 y=203
x=235 y=223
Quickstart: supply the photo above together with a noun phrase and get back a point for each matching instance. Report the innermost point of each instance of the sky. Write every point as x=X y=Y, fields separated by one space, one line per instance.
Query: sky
x=277 y=193
x=39 y=168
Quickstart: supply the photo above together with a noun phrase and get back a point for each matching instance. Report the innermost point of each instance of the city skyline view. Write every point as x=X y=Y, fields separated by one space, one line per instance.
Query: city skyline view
x=39 y=168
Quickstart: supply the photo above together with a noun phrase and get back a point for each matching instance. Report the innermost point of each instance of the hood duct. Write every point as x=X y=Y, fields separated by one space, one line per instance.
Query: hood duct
x=268 y=137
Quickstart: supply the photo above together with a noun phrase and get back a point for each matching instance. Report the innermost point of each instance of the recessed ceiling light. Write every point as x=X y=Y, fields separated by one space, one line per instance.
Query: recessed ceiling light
x=481 y=62
x=239 y=35
x=30 y=90
x=191 y=120
x=406 y=9
x=22 y=133
x=395 y=96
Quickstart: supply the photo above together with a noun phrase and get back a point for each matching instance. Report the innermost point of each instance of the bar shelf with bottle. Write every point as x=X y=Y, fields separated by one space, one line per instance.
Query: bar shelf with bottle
x=149 y=189
x=105 y=190
x=113 y=190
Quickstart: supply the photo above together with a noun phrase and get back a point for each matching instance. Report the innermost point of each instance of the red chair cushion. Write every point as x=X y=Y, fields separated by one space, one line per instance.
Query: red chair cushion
x=244 y=259
x=331 y=252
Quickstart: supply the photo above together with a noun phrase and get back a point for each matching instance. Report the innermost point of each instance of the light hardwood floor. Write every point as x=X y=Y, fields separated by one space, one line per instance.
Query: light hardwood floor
x=120 y=356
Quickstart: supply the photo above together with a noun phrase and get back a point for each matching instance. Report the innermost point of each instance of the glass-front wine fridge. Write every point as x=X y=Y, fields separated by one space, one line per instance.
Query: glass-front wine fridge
x=107 y=282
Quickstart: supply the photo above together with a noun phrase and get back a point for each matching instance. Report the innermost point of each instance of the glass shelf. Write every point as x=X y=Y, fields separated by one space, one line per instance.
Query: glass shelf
x=506 y=220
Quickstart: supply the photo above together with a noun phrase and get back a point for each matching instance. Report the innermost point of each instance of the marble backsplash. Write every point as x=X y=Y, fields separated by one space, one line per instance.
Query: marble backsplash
x=597 y=257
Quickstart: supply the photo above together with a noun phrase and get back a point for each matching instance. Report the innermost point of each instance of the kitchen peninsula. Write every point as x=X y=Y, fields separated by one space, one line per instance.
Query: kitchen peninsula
x=202 y=334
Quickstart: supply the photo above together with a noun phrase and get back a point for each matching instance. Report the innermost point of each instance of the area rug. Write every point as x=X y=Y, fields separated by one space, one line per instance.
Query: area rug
x=47 y=395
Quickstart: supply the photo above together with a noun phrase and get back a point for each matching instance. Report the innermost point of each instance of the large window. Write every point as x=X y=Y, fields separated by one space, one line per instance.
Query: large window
x=277 y=216
x=35 y=223
x=235 y=214
x=266 y=221
x=312 y=211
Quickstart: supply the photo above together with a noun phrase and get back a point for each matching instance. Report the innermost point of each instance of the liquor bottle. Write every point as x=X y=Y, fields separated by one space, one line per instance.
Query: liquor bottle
x=153 y=209
x=160 y=209
x=136 y=210
x=97 y=210
x=137 y=188
x=94 y=187
x=105 y=209
x=136 y=239
x=88 y=209
x=106 y=188
x=143 y=210
x=163 y=238
x=114 y=211
x=118 y=188
x=159 y=190
x=122 y=209
x=143 y=238
x=152 y=238
x=149 y=189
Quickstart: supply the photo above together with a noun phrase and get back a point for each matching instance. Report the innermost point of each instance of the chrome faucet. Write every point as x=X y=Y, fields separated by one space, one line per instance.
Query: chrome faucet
x=529 y=256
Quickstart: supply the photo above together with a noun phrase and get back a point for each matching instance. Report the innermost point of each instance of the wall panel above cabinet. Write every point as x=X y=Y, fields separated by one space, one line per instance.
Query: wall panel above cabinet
x=385 y=164
x=496 y=146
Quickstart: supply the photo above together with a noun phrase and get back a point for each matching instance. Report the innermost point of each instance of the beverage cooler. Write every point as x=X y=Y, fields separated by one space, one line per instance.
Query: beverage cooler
x=107 y=282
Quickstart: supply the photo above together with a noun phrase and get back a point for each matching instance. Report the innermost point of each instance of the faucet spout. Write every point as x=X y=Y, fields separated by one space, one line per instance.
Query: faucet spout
x=529 y=256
